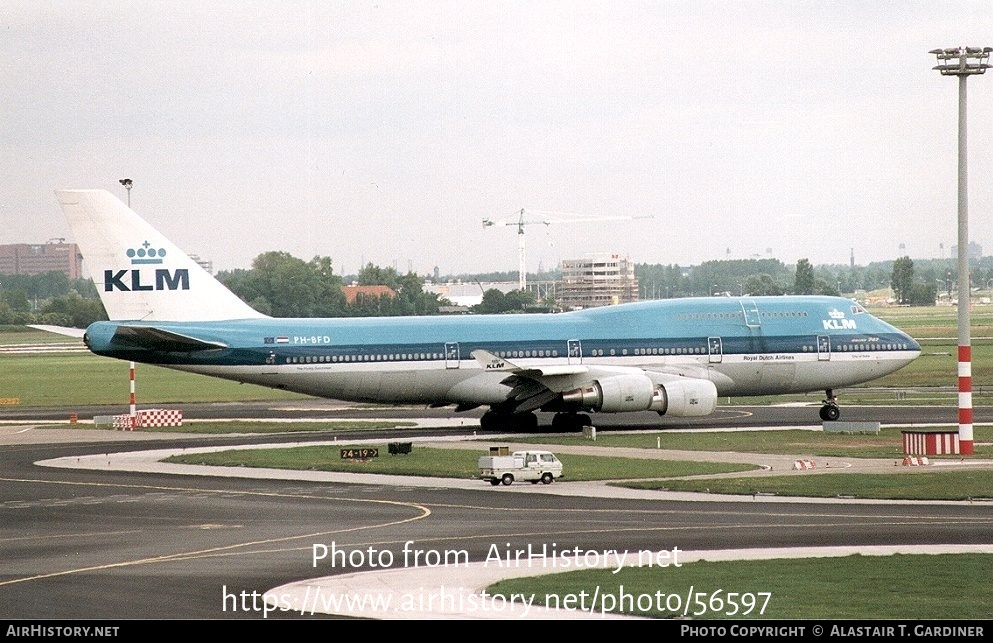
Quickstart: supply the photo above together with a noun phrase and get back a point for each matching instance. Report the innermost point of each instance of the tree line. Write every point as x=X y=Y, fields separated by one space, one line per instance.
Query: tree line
x=281 y=285
x=49 y=298
x=917 y=283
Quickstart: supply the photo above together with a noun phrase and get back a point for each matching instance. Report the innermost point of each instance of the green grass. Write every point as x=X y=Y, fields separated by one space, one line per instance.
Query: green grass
x=937 y=366
x=446 y=463
x=68 y=379
x=923 y=322
x=909 y=587
x=906 y=484
x=11 y=335
x=888 y=443
x=936 y=329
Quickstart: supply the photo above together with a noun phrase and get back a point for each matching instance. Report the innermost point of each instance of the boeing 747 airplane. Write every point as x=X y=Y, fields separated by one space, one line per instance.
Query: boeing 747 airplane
x=673 y=356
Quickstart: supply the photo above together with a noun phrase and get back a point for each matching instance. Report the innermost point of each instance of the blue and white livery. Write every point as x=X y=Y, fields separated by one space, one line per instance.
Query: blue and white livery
x=671 y=356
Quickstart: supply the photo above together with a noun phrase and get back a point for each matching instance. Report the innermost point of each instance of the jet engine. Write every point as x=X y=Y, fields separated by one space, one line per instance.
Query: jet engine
x=684 y=397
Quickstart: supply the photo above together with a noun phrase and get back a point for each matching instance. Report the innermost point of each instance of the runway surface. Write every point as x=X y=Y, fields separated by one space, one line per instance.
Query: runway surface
x=120 y=536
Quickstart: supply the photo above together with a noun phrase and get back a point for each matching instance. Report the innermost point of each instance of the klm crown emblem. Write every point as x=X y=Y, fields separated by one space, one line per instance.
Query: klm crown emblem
x=146 y=254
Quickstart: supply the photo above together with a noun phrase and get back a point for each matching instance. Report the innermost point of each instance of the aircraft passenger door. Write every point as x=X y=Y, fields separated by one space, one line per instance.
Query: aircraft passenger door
x=575 y=350
x=823 y=348
x=451 y=354
x=716 y=349
x=751 y=311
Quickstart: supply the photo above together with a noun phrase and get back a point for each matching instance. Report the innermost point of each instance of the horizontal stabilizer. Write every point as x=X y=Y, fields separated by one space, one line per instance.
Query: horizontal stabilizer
x=158 y=339
x=59 y=330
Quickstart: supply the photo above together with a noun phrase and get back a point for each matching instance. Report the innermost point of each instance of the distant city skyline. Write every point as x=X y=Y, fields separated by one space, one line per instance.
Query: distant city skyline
x=386 y=132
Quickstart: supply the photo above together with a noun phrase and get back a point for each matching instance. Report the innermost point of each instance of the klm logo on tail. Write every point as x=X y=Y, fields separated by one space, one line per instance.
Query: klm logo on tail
x=130 y=280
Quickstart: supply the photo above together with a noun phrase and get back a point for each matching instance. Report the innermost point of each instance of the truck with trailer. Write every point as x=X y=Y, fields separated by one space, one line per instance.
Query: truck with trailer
x=532 y=466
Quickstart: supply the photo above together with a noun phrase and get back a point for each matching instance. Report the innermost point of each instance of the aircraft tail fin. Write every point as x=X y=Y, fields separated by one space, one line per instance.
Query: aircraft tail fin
x=140 y=274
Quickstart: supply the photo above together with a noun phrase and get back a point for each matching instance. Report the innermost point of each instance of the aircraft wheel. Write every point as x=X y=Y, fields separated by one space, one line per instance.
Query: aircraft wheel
x=830 y=413
x=495 y=481
x=507 y=479
x=488 y=422
x=527 y=422
x=567 y=422
x=546 y=478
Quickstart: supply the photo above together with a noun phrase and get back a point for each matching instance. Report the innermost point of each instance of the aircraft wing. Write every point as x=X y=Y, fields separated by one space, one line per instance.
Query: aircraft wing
x=678 y=390
x=491 y=362
x=532 y=388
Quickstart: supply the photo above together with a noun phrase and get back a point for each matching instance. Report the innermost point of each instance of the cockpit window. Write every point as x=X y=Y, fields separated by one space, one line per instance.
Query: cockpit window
x=858 y=310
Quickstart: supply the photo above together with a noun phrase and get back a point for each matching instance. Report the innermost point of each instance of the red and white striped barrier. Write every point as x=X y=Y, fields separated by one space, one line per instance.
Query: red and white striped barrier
x=149 y=418
x=799 y=465
x=931 y=443
x=914 y=461
x=160 y=417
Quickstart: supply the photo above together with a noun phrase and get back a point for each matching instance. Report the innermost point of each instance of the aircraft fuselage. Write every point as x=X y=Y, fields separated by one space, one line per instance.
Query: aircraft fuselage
x=745 y=346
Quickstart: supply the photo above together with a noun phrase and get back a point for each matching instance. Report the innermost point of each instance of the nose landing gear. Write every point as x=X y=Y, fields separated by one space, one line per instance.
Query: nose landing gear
x=830 y=411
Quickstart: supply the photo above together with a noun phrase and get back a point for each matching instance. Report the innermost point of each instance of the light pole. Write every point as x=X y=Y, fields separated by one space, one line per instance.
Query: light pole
x=134 y=415
x=963 y=62
x=127 y=186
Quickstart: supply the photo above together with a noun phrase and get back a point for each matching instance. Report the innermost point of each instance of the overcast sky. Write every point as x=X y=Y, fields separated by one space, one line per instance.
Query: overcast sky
x=385 y=132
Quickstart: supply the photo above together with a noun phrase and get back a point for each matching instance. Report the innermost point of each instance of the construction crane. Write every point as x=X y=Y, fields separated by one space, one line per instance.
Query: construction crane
x=527 y=217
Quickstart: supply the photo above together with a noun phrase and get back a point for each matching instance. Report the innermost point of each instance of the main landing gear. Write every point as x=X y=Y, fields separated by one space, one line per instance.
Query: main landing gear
x=830 y=411
x=495 y=421
x=569 y=422
x=528 y=422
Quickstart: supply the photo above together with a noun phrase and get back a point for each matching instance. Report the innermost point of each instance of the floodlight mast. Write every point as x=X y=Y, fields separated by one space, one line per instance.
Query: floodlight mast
x=128 y=184
x=963 y=62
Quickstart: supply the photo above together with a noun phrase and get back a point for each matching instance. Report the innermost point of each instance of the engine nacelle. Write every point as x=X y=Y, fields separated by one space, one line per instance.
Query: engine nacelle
x=689 y=397
x=622 y=393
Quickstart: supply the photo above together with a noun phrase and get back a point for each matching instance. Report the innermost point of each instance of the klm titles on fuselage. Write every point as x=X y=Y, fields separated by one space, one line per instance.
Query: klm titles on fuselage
x=838 y=321
x=131 y=280
x=838 y=324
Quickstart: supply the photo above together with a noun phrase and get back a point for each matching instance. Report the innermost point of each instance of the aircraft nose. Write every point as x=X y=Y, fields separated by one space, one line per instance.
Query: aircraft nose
x=912 y=343
x=912 y=349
